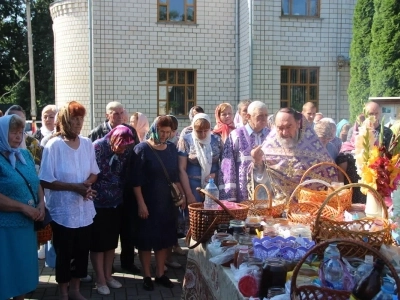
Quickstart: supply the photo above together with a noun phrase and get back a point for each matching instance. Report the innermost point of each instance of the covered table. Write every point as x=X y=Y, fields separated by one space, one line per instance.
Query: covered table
x=205 y=280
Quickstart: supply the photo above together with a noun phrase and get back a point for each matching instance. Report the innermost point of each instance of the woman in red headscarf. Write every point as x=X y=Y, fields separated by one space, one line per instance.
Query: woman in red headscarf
x=224 y=119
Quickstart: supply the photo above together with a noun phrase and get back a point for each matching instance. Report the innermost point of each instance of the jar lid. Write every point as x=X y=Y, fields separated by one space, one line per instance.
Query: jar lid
x=236 y=223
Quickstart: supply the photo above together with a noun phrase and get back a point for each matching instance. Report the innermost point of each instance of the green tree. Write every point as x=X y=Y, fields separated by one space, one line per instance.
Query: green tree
x=384 y=71
x=359 y=85
x=43 y=45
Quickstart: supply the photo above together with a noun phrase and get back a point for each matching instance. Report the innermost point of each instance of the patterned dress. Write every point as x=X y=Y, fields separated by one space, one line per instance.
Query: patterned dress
x=233 y=178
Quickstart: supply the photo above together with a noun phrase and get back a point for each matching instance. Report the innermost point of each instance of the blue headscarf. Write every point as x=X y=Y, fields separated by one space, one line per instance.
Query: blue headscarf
x=152 y=133
x=14 y=153
x=340 y=125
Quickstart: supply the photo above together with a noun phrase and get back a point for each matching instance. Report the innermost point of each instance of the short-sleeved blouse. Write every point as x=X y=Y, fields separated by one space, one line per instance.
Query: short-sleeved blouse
x=65 y=164
x=186 y=148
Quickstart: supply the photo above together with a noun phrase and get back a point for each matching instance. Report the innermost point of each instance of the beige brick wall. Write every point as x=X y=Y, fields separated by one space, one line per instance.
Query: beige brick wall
x=130 y=45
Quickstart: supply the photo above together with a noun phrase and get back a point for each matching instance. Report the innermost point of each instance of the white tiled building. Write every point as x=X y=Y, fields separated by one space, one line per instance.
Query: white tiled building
x=147 y=53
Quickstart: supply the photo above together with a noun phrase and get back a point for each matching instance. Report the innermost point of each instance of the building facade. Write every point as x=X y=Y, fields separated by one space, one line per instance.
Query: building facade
x=163 y=56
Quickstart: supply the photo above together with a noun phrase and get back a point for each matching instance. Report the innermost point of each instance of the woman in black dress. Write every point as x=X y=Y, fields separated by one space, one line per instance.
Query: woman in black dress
x=156 y=228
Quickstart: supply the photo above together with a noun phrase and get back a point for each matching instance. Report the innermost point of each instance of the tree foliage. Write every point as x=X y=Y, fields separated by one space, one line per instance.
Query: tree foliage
x=14 y=62
x=359 y=85
x=384 y=71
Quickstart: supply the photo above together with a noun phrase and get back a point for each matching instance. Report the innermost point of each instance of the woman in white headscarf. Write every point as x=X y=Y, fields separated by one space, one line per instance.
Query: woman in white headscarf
x=199 y=154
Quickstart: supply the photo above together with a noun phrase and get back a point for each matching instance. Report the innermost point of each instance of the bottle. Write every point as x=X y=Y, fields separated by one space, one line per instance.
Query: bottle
x=370 y=284
x=331 y=250
x=386 y=293
x=243 y=256
x=364 y=268
x=333 y=272
x=212 y=189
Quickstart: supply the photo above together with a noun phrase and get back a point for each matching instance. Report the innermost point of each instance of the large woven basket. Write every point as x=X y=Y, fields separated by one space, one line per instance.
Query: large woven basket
x=203 y=222
x=312 y=292
x=264 y=207
x=305 y=213
x=327 y=228
x=341 y=202
x=44 y=235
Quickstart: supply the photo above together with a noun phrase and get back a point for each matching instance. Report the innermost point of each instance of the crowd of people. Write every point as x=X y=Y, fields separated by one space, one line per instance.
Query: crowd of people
x=115 y=185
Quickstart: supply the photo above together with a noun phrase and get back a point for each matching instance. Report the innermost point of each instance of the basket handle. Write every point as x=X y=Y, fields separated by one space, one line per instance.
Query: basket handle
x=202 y=239
x=324 y=244
x=323 y=164
x=301 y=184
x=268 y=193
x=216 y=200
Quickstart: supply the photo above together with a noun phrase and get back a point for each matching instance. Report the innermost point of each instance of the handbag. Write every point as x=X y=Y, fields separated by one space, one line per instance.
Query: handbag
x=177 y=197
x=47 y=218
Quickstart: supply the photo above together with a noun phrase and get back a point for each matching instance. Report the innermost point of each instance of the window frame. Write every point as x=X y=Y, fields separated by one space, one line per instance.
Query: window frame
x=298 y=83
x=188 y=103
x=308 y=15
x=186 y=5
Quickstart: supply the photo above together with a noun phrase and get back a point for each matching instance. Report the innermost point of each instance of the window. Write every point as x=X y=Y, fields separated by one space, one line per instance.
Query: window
x=309 y=8
x=177 y=10
x=176 y=91
x=298 y=86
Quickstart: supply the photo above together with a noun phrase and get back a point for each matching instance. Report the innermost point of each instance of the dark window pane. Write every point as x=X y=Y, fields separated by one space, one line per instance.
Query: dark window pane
x=284 y=92
x=190 y=92
x=181 y=77
x=297 y=97
x=162 y=77
x=284 y=104
x=176 y=100
x=190 y=105
x=190 y=78
x=293 y=76
x=313 y=93
x=162 y=13
x=284 y=76
x=303 y=75
x=313 y=8
x=176 y=10
x=171 y=77
x=285 y=7
x=190 y=14
x=299 y=7
x=313 y=76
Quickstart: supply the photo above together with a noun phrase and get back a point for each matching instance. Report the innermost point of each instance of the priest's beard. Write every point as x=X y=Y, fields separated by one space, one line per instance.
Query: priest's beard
x=288 y=142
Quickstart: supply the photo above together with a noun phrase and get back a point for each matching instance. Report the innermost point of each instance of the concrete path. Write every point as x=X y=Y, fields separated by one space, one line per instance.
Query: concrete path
x=132 y=284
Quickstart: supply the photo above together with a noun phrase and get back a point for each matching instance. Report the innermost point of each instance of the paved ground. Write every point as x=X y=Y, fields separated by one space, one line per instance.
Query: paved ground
x=132 y=284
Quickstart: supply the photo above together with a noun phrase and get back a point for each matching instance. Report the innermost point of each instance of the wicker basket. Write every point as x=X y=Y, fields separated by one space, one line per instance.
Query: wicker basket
x=305 y=213
x=341 y=202
x=312 y=292
x=203 y=222
x=258 y=207
x=44 y=235
x=327 y=228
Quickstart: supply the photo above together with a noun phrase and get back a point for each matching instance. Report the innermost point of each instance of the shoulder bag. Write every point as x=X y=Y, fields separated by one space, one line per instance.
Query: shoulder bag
x=177 y=197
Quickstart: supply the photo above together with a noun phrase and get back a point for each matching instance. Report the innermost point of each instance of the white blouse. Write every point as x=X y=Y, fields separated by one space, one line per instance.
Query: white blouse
x=63 y=163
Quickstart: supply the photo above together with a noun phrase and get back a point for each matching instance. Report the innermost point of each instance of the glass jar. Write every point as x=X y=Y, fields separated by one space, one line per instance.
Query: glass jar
x=236 y=227
x=222 y=228
x=273 y=275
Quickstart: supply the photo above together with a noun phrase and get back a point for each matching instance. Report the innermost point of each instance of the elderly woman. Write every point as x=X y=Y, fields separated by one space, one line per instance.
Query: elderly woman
x=323 y=129
x=68 y=170
x=140 y=122
x=224 y=119
x=112 y=158
x=199 y=155
x=157 y=214
x=28 y=142
x=19 y=207
x=192 y=112
x=48 y=122
x=342 y=129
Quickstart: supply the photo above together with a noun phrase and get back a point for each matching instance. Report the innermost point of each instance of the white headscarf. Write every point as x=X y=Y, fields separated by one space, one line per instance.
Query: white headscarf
x=203 y=148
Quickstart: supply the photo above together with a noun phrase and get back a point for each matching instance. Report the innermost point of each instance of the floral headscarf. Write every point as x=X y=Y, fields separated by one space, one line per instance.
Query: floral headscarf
x=119 y=136
x=14 y=153
x=222 y=128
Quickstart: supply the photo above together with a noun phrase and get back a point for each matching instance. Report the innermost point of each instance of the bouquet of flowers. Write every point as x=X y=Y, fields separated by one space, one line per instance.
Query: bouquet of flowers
x=376 y=166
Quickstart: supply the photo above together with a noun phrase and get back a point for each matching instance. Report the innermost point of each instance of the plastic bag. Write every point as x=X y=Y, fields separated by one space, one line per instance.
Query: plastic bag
x=224 y=257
